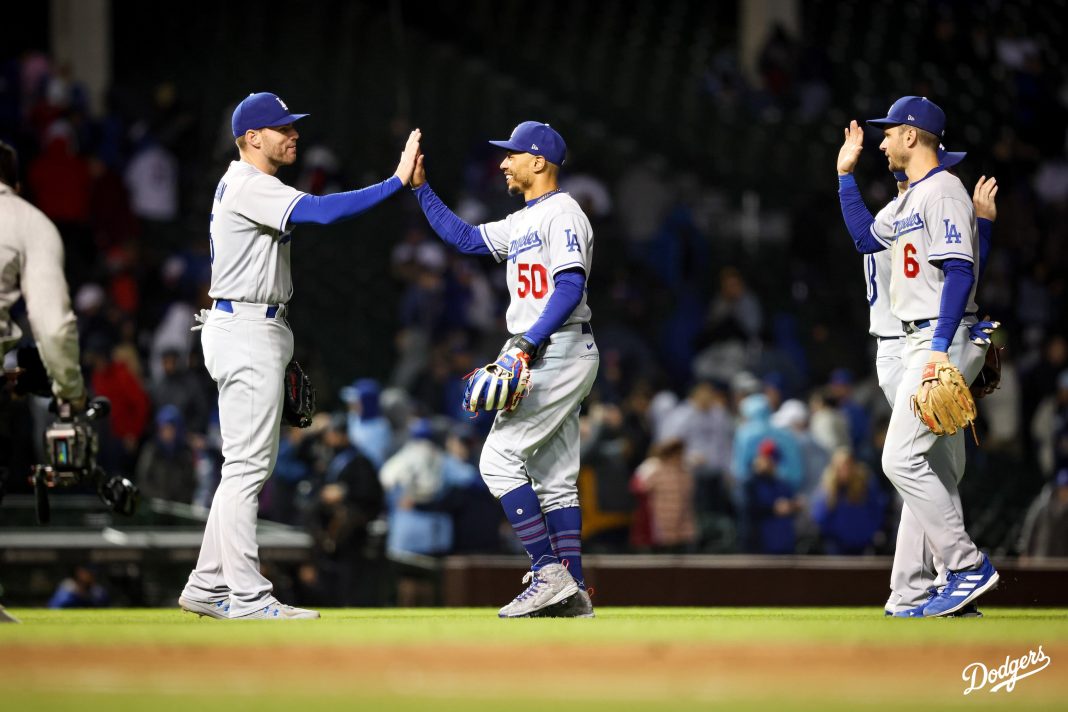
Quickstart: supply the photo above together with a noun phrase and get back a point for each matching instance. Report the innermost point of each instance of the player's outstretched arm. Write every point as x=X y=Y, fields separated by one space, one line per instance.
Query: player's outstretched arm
x=855 y=213
x=849 y=153
x=464 y=237
x=986 y=212
x=328 y=209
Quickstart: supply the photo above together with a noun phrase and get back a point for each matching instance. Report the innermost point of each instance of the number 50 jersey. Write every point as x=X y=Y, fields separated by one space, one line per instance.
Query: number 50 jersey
x=934 y=220
x=550 y=235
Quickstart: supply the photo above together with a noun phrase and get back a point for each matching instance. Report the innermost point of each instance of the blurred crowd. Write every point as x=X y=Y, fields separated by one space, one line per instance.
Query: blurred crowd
x=727 y=416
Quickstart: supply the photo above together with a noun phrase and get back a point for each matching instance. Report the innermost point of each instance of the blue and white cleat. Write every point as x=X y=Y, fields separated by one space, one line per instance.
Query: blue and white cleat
x=962 y=588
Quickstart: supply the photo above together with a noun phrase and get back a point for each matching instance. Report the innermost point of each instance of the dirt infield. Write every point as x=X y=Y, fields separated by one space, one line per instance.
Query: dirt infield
x=697 y=672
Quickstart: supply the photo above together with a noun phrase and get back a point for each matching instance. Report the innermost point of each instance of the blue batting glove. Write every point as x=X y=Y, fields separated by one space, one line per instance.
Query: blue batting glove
x=980 y=333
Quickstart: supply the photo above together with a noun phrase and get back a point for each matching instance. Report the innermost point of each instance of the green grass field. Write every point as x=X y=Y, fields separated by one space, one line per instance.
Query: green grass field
x=466 y=659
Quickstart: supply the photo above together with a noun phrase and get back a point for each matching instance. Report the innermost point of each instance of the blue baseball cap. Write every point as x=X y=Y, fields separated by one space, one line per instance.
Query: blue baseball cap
x=538 y=139
x=257 y=111
x=918 y=111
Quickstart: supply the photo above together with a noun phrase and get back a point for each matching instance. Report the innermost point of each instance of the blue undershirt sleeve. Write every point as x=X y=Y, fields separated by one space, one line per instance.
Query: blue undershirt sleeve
x=449 y=227
x=858 y=218
x=986 y=234
x=328 y=209
x=567 y=293
x=955 y=292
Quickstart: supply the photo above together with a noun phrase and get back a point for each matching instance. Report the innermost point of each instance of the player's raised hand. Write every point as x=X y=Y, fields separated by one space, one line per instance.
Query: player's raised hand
x=849 y=154
x=407 y=160
x=983 y=198
x=419 y=174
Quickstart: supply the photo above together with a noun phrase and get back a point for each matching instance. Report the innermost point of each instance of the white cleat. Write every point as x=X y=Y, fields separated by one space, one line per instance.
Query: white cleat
x=218 y=609
x=278 y=612
x=577 y=606
x=548 y=585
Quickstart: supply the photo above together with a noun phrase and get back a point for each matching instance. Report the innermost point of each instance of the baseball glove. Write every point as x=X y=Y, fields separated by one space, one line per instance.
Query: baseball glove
x=299 y=404
x=500 y=385
x=943 y=401
x=989 y=379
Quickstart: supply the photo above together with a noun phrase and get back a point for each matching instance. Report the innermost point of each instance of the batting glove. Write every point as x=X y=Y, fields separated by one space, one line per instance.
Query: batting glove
x=981 y=332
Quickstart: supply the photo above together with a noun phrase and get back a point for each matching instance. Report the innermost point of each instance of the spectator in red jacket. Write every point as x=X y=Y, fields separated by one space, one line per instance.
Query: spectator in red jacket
x=115 y=380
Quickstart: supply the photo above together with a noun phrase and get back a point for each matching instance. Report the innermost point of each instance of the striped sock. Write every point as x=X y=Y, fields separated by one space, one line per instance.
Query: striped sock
x=565 y=530
x=523 y=510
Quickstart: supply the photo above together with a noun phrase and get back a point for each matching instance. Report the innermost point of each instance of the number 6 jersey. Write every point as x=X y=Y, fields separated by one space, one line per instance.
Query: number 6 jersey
x=933 y=220
x=550 y=235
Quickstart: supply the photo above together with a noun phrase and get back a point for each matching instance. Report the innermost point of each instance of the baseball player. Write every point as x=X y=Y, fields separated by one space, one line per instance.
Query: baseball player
x=248 y=343
x=931 y=231
x=916 y=570
x=530 y=461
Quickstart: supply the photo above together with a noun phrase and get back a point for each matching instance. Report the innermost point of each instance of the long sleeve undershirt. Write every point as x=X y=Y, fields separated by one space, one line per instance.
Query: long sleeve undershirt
x=567 y=293
x=955 y=292
x=327 y=209
x=858 y=218
x=449 y=227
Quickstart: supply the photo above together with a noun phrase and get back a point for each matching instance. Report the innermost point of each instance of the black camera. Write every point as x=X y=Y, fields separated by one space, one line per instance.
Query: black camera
x=71 y=446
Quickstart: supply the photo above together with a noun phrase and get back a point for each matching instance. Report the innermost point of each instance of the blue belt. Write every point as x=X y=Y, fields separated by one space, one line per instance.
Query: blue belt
x=228 y=306
x=914 y=326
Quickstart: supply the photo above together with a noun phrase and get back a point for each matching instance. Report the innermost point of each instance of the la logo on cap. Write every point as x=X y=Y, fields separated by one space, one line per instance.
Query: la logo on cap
x=286 y=108
x=911 y=117
x=534 y=147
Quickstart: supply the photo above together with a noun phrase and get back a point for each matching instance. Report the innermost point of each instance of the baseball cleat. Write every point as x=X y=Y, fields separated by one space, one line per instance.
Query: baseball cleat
x=577 y=606
x=962 y=588
x=277 y=612
x=6 y=617
x=548 y=585
x=218 y=609
x=969 y=611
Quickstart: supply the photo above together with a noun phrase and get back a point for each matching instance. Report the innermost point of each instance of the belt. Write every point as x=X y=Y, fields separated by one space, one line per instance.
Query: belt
x=890 y=338
x=911 y=327
x=269 y=311
x=583 y=328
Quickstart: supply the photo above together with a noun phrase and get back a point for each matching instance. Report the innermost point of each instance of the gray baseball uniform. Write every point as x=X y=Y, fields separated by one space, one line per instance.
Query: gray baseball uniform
x=247 y=344
x=915 y=568
x=933 y=220
x=540 y=439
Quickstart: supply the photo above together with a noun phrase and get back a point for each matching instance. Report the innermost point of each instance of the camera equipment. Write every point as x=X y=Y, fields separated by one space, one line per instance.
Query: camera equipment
x=71 y=446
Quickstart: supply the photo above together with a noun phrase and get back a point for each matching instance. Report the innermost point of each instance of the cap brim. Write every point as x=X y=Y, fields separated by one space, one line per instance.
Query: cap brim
x=882 y=122
x=288 y=119
x=948 y=159
x=511 y=146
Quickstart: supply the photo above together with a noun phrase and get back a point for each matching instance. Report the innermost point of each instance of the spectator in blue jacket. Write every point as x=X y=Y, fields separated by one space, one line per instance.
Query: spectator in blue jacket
x=770 y=504
x=369 y=430
x=80 y=590
x=849 y=506
x=755 y=428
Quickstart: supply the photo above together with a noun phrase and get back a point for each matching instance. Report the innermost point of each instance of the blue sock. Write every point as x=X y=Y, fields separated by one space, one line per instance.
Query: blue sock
x=523 y=510
x=565 y=531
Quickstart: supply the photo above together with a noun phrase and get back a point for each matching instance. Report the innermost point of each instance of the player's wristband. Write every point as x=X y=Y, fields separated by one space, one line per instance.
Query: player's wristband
x=525 y=345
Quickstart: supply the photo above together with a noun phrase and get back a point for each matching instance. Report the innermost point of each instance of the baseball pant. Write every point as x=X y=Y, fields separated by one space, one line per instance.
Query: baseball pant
x=246 y=354
x=925 y=470
x=538 y=442
x=915 y=568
